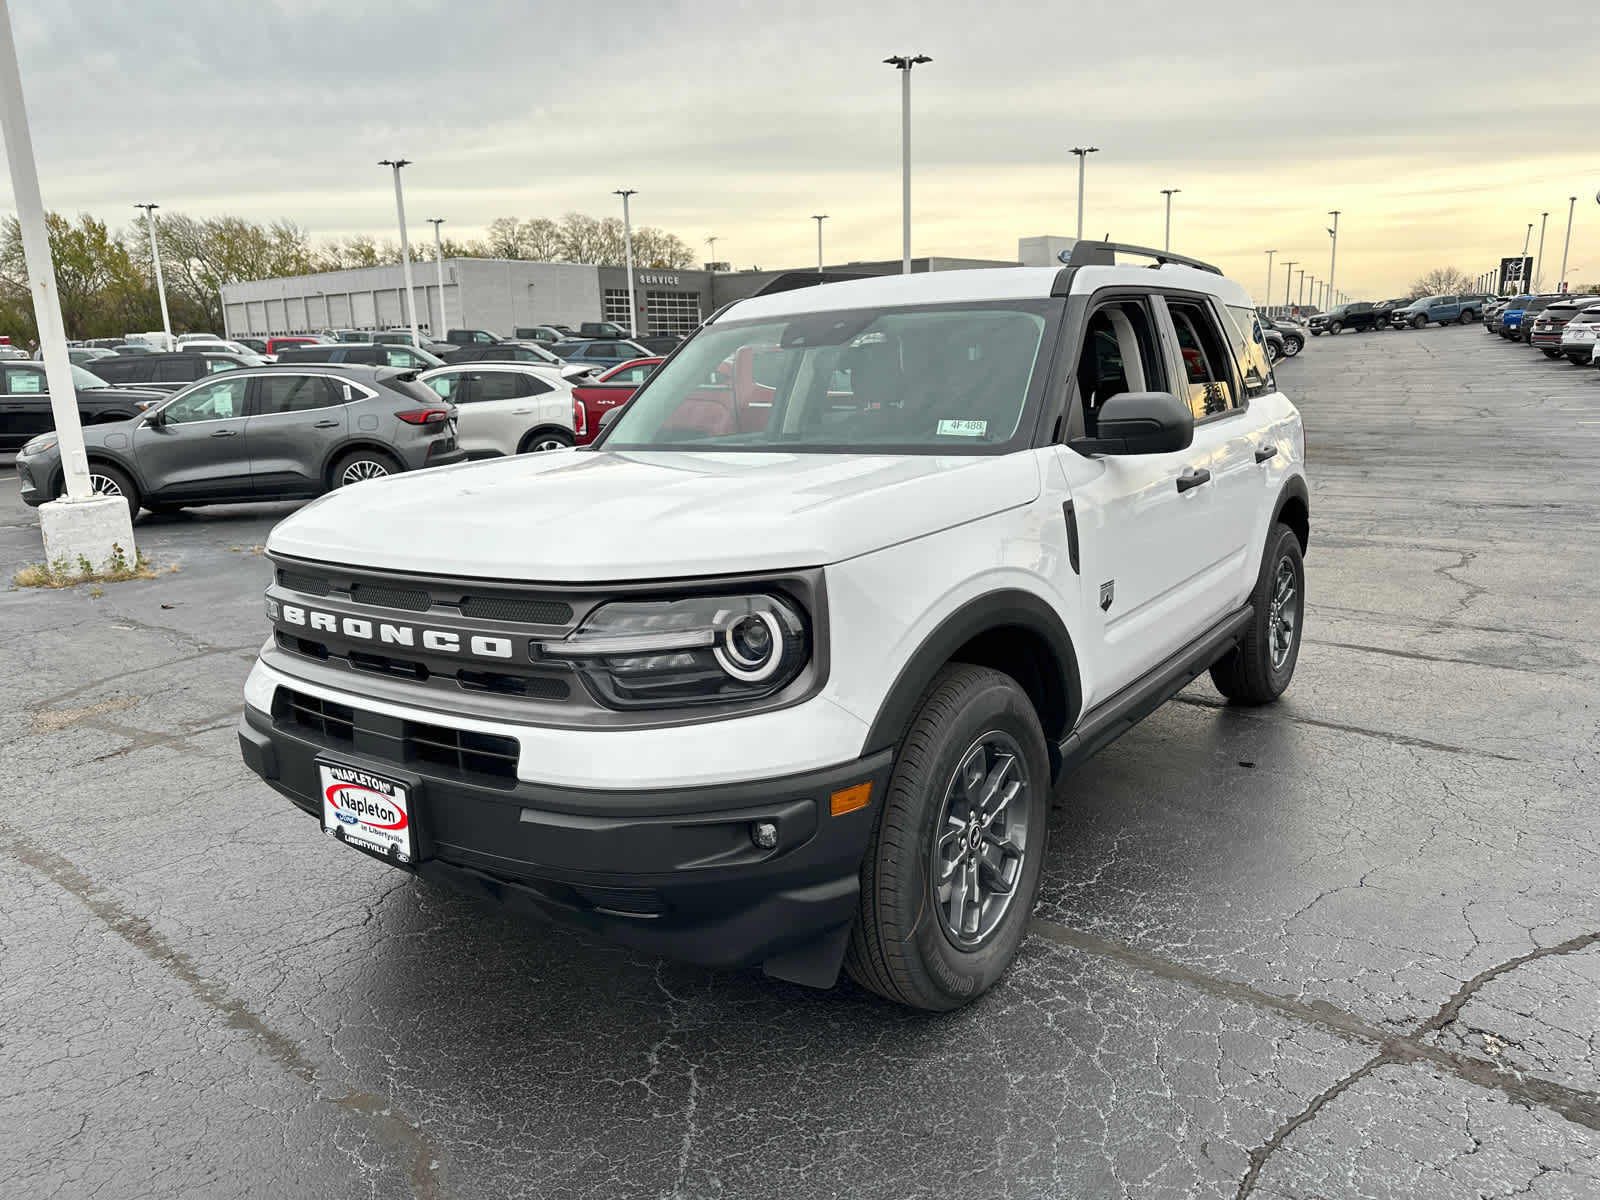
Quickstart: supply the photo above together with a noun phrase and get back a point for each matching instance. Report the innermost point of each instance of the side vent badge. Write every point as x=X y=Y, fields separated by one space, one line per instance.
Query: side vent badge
x=1108 y=592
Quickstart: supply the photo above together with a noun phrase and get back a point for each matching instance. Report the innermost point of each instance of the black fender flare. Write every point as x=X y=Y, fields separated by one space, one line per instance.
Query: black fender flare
x=1008 y=608
x=1295 y=489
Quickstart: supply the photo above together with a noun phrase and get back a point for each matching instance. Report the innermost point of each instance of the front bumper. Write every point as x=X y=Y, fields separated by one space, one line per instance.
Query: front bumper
x=671 y=872
x=33 y=474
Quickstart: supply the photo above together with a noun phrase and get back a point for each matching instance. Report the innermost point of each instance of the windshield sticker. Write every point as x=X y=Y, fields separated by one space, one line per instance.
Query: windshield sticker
x=963 y=428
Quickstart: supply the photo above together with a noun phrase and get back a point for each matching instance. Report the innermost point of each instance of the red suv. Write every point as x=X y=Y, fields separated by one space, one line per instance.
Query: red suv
x=274 y=344
x=613 y=388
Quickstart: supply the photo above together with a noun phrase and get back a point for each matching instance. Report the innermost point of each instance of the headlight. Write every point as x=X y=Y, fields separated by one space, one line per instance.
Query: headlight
x=39 y=444
x=698 y=650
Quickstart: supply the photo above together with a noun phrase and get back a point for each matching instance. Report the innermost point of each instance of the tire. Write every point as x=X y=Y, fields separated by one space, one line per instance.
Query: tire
x=538 y=441
x=1467 y=317
x=904 y=945
x=165 y=510
x=361 y=465
x=1418 y=322
x=1292 y=345
x=1274 y=355
x=1259 y=669
x=1335 y=328
x=107 y=480
x=1552 y=354
x=1316 y=333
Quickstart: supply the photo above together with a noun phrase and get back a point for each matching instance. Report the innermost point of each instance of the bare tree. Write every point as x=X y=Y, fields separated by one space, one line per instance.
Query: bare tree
x=1442 y=281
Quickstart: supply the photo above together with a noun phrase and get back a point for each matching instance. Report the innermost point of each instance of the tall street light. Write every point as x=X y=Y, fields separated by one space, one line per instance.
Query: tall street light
x=1526 y=238
x=1567 y=245
x=161 y=287
x=1288 y=271
x=627 y=250
x=712 y=242
x=1169 y=193
x=1268 y=293
x=1083 y=153
x=1333 y=255
x=1300 y=295
x=1538 y=262
x=438 y=266
x=405 y=244
x=904 y=63
x=81 y=524
x=819 y=218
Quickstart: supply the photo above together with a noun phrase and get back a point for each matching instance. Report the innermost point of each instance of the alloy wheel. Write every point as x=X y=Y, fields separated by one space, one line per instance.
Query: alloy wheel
x=104 y=485
x=981 y=840
x=1283 y=621
x=548 y=443
x=363 y=468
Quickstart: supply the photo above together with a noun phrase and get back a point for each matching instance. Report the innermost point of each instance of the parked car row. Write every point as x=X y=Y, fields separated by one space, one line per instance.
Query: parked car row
x=1558 y=324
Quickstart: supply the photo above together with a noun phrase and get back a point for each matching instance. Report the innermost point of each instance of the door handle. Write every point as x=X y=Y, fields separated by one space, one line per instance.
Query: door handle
x=326 y=425
x=1193 y=479
x=1265 y=452
x=225 y=433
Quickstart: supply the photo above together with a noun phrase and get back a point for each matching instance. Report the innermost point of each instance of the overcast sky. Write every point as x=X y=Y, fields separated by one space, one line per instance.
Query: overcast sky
x=1439 y=130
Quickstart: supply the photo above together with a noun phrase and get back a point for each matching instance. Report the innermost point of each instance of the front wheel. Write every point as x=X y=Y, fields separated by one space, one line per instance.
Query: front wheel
x=1260 y=667
x=1418 y=322
x=952 y=866
x=106 y=480
x=1335 y=327
x=1293 y=345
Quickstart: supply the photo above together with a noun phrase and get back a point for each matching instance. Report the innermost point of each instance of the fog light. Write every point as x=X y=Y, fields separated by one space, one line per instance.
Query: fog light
x=273 y=609
x=764 y=834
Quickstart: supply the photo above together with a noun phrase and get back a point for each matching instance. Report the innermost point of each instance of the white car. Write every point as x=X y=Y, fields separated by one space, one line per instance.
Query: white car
x=506 y=408
x=785 y=670
x=1580 y=337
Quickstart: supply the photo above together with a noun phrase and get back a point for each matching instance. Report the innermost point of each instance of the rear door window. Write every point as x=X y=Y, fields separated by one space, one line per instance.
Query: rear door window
x=1207 y=362
x=295 y=393
x=501 y=385
x=1250 y=351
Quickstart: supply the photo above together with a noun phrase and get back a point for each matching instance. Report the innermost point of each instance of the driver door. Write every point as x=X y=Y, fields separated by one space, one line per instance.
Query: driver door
x=195 y=449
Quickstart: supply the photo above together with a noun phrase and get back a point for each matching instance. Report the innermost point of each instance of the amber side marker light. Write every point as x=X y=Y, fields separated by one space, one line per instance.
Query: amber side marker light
x=850 y=799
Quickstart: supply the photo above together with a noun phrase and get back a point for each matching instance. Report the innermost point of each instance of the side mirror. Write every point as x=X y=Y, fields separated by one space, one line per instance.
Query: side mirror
x=1140 y=423
x=155 y=417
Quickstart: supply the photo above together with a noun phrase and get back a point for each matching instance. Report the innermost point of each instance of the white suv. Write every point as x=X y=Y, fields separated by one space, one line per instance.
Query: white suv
x=785 y=670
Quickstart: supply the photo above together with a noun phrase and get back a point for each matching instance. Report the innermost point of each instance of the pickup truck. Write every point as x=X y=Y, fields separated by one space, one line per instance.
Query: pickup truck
x=607 y=392
x=1438 y=310
x=25 y=402
x=472 y=337
x=1359 y=315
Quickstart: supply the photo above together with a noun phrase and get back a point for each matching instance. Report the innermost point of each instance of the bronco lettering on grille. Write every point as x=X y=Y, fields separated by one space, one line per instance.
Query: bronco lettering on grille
x=439 y=641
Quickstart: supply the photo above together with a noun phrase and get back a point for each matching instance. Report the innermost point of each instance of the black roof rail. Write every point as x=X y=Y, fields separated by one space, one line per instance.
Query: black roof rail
x=1104 y=254
x=790 y=280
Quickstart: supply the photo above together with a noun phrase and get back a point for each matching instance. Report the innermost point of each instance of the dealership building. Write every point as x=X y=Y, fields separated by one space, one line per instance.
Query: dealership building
x=503 y=295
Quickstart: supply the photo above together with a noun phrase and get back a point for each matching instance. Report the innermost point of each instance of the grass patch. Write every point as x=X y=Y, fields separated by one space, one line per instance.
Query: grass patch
x=64 y=574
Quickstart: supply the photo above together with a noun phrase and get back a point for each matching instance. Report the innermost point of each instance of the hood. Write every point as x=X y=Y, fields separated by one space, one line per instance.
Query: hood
x=585 y=516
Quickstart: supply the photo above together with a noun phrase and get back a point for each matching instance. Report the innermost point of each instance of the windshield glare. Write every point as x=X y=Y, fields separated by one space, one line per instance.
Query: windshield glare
x=955 y=379
x=86 y=379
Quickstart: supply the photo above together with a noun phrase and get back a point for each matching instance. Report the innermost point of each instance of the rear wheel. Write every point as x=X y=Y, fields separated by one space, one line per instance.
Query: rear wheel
x=541 y=440
x=107 y=480
x=361 y=465
x=1552 y=353
x=952 y=866
x=1467 y=316
x=1259 y=669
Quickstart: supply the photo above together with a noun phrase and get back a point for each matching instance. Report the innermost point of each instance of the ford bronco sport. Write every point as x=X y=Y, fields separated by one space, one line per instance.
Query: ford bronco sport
x=785 y=669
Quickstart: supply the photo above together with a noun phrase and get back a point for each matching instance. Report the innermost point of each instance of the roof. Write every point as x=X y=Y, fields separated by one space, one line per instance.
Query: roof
x=1002 y=283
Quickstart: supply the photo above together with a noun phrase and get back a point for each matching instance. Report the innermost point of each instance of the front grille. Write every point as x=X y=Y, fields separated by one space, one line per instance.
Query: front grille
x=337 y=722
x=505 y=608
x=485 y=758
x=414 y=599
x=311 y=585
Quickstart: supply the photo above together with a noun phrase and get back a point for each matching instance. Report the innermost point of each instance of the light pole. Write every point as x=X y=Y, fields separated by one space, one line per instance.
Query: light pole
x=1311 y=291
x=903 y=63
x=1169 y=193
x=627 y=250
x=1288 y=270
x=819 y=218
x=1526 y=238
x=1300 y=295
x=1333 y=256
x=712 y=242
x=1538 y=262
x=438 y=266
x=1270 y=253
x=1572 y=202
x=155 y=255
x=405 y=245
x=1083 y=153
x=82 y=525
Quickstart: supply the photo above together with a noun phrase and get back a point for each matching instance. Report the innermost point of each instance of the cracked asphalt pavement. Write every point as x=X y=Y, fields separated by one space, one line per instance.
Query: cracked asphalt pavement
x=1348 y=946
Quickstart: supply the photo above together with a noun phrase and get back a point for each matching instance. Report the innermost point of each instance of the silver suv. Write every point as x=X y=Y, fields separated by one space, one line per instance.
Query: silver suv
x=271 y=433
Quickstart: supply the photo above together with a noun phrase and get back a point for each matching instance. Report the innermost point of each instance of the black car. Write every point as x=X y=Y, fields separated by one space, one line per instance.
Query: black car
x=169 y=372
x=25 y=401
x=1384 y=307
x=254 y=345
x=1361 y=315
x=659 y=343
x=382 y=354
x=526 y=351
x=1293 y=333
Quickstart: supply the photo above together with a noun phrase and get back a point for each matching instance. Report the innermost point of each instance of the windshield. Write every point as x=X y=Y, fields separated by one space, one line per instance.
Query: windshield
x=949 y=378
x=86 y=380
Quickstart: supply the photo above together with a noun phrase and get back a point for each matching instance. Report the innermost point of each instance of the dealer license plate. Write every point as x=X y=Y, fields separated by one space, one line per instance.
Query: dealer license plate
x=368 y=811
